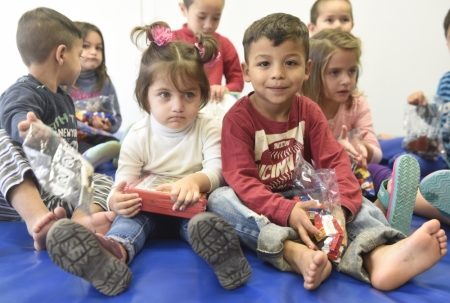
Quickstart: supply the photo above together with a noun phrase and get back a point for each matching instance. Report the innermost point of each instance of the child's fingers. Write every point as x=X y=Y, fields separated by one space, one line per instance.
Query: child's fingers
x=305 y=238
x=191 y=198
x=120 y=187
x=128 y=207
x=131 y=212
x=32 y=117
x=163 y=187
x=309 y=204
x=344 y=133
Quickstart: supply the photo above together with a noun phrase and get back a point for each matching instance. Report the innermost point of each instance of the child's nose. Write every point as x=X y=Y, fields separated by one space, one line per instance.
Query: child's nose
x=208 y=24
x=177 y=104
x=345 y=78
x=277 y=72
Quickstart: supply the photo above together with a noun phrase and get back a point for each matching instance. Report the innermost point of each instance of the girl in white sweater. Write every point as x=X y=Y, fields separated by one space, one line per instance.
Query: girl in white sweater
x=172 y=140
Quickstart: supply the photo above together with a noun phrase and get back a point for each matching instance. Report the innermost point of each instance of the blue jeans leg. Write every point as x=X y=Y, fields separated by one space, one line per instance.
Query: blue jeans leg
x=133 y=232
x=254 y=231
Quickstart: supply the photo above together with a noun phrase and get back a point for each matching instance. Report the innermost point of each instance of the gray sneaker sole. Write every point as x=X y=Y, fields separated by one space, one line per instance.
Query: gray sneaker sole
x=215 y=240
x=75 y=249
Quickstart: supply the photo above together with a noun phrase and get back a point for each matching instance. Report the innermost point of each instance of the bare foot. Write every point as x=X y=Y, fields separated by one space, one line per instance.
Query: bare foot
x=391 y=266
x=42 y=226
x=311 y=264
x=99 y=222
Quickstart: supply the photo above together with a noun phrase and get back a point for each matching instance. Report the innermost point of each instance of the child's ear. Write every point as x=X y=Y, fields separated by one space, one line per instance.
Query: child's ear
x=60 y=53
x=245 y=72
x=311 y=28
x=183 y=9
x=307 y=70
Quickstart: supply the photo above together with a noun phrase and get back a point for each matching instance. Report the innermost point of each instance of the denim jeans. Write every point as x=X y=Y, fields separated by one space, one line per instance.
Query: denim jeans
x=368 y=230
x=133 y=232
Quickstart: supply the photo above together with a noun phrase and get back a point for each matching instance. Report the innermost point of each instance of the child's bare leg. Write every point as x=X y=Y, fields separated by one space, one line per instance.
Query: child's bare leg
x=311 y=264
x=100 y=221
x=27 y=201
x=426 y=210
x=391 y=266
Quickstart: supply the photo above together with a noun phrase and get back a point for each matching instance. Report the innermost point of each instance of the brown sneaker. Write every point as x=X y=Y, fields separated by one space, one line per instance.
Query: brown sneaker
x=78 y=251
x=215 y=240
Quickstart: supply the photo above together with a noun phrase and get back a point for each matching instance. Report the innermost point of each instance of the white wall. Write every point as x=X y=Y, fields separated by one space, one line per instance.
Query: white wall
x=403 y=43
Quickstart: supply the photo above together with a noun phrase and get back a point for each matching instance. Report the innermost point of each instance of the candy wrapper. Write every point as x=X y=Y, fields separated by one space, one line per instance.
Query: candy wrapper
x=423 y=129
x=362 y=174
x=60 y=169
x=86 y=109
x=321 y=185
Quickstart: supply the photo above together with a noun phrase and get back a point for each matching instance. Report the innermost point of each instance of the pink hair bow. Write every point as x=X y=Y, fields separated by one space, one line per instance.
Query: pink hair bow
x=161 y=35
x=201 y=51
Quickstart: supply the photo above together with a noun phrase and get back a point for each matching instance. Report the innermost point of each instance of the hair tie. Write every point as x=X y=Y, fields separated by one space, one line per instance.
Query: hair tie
x=201 y=51
x=161 y=35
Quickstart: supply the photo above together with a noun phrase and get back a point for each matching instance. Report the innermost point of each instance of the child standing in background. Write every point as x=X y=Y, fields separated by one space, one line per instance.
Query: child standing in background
x=332 y=84
x=261 y=136
x=94 y=82
x=173 y=140
x=203 y=16
x=331 y=14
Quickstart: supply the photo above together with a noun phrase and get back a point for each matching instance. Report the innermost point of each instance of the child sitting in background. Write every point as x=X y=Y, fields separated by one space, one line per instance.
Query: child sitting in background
x=393 y=146
x=94 y=82
x=331 y=14
x=173 y=140
x=332 y=84
x=203 y=16
x=261 y=135
x=50 y=46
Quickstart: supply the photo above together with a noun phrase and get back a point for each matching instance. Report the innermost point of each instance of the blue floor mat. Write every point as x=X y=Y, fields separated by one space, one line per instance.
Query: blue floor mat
x=169 y=271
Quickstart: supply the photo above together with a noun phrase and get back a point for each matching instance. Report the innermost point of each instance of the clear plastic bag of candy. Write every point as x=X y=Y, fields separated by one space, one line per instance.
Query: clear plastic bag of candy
x=102 y=106
x=321 y=185
x=59 y=168
x=423 y=129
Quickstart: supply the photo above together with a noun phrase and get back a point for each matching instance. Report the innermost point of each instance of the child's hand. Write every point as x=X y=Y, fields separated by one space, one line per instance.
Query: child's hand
x=417 y=98
x=100 y=123
x=125 y=205
x=184 y=192
x=355 y=150
x=300 y=222
x=217 y=92
x=24 y=126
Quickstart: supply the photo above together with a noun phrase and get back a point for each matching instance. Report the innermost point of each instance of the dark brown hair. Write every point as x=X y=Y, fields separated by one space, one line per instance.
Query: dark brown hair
x=278 y=28
x=42 y=29
x=100 y=71
x=177 y=60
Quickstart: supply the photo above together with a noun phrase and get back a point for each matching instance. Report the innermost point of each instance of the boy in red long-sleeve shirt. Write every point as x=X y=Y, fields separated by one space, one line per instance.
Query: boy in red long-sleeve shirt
x=261 y=136
x=204 y=16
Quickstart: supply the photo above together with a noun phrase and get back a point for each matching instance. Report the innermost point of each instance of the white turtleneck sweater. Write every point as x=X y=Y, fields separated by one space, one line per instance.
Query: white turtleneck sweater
x=150 y=147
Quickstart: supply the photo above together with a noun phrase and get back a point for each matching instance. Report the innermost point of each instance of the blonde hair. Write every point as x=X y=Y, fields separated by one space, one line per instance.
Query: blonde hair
x=178 y=60
x=322 y=46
